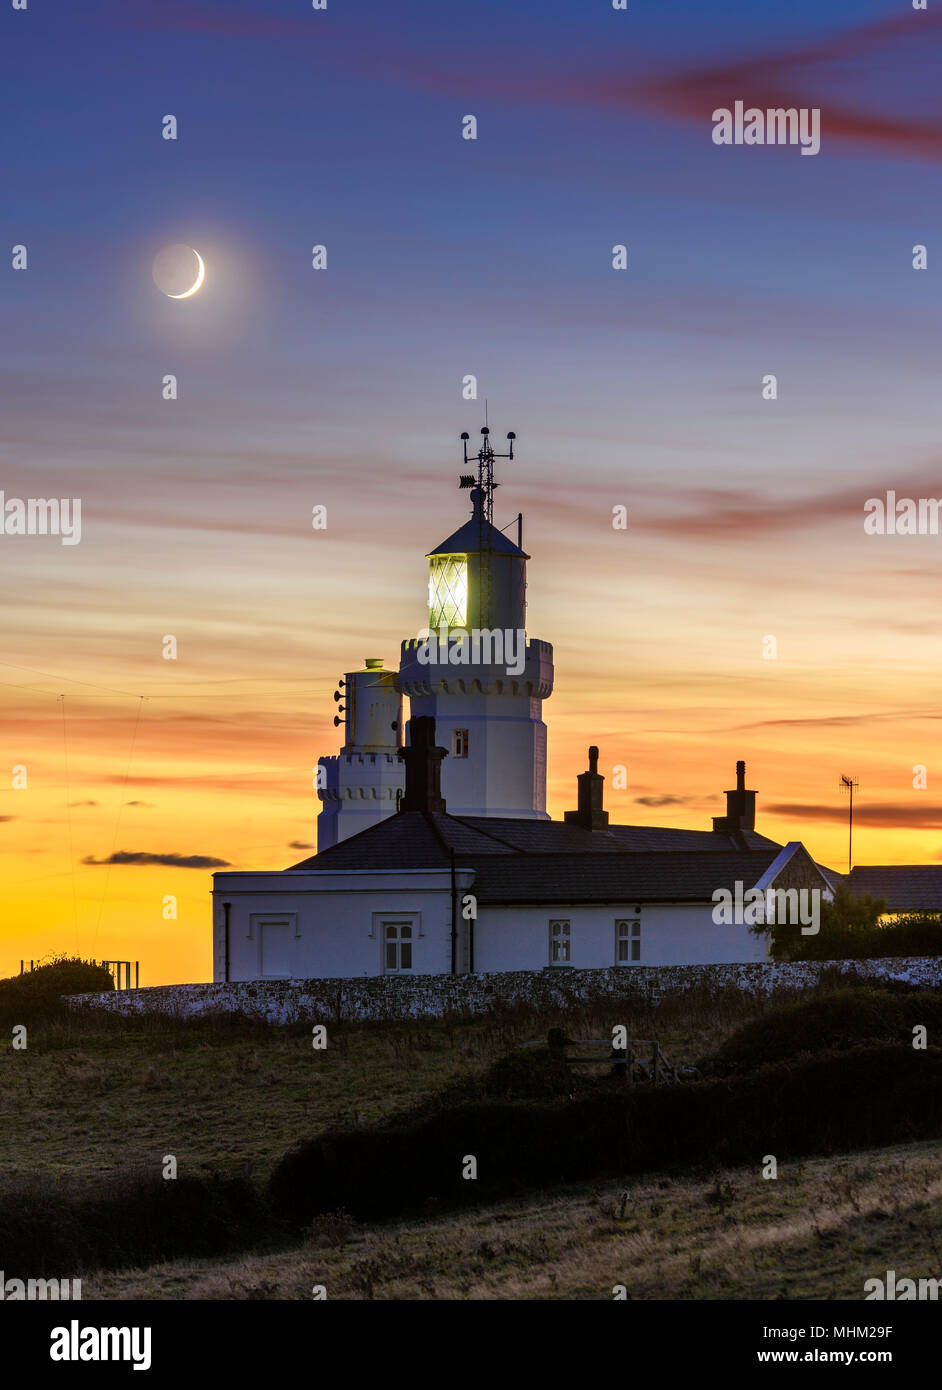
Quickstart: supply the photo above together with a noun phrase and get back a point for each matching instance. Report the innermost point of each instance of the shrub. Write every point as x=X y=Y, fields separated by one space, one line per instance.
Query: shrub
x=852 y=929
x=835 y=1020
x=532 y=1073
x=133 y=1221
x=837 y=1101
x=36 y=995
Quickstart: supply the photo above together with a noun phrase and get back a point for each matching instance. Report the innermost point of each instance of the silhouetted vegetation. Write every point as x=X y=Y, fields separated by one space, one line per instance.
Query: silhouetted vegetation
x=838 y=1020
x=130 y=1221
x=836 y=1101
x=36 y=995
x=851 y=929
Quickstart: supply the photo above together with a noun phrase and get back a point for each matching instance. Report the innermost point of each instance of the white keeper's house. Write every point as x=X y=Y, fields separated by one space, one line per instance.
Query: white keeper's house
x=435 y=851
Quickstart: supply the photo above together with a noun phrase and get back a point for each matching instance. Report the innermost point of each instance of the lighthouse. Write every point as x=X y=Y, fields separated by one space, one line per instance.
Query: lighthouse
x=472 y=668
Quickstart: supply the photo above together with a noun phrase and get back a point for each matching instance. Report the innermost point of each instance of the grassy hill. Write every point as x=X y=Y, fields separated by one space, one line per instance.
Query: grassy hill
x=95 y=1094
x=816 y=1232
x=96 y=1102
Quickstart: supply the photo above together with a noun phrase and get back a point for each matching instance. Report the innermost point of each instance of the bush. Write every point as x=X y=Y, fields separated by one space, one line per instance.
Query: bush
x=837 y=1020
x=135 y=1221
x=533 y=1073
x=36 y=995
x=852 y=929
x=838 y=1101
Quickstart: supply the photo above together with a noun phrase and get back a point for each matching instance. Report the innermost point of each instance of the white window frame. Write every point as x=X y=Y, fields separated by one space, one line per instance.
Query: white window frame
x=378 y=918
x=460 y=738
x=630 y=938
x=397 y=919
x=560 y=940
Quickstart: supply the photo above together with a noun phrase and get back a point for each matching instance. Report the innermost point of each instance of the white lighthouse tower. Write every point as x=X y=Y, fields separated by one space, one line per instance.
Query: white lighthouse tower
x=359 y=788
x=476 y=673
x=472 y=669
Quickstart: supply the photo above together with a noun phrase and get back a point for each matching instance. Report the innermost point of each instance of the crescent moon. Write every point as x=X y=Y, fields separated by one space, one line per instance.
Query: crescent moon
x=201 y=276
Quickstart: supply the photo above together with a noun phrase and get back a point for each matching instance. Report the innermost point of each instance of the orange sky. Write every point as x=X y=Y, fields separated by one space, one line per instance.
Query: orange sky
x=448 y=257
x=658 y=647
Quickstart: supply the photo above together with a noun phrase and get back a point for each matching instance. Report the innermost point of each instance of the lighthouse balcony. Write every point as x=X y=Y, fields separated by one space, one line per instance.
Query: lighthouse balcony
x=465 y=665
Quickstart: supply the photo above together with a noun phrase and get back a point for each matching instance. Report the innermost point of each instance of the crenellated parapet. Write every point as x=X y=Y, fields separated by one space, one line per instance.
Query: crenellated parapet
x=528 y=672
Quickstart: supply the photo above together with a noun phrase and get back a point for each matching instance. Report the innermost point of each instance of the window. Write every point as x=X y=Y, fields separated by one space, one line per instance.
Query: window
x=560 y=937
x=397 y=944
x=459 y=743
x=627 y=942
x=448 y=591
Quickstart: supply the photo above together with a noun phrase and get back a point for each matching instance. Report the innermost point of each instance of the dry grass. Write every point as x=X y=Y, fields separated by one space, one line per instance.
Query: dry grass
x=817 y=1231
x=89 y=1101
x=80 y=1105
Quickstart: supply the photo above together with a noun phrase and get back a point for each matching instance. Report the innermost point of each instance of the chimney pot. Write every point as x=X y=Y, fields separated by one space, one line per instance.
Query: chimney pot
x=590 y=814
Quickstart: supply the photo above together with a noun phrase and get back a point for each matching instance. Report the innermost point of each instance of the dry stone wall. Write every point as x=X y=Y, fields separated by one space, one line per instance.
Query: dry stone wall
x=393 y=997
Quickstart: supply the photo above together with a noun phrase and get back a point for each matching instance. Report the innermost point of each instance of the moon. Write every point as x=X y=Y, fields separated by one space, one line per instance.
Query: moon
x=178 y=271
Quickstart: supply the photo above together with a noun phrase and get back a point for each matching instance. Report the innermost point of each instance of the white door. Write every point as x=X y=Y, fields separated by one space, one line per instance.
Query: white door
x=275 y=950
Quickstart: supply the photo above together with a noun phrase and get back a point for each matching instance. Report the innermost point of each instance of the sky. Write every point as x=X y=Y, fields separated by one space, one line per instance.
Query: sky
x=342 y=388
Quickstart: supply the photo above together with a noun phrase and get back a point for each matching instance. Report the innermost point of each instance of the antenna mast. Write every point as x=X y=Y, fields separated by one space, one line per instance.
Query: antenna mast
x=848 y=784
x=484 y=482
x=485 y=475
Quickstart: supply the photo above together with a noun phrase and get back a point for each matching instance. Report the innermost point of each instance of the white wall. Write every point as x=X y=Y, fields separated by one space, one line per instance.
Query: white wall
x=330 y=922
x=299 y=925
x=517 y=938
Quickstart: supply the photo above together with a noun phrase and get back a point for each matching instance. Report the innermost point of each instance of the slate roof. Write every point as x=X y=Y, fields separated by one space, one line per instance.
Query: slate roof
x=584 y=878
x=561 y=837
x=552 y=861
x=906 y=887
x=475 y=536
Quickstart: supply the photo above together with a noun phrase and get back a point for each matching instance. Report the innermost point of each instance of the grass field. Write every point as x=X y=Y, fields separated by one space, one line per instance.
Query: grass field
x=94 y=1097
x=817 y=1231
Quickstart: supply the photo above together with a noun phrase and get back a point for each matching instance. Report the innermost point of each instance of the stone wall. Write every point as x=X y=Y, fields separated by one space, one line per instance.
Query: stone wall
x=394 y=997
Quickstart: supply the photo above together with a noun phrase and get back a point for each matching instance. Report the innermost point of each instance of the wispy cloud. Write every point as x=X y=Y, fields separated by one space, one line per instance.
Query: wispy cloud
x=141 y=858
x=888 y=815
x=666 y=800
x=792 y=77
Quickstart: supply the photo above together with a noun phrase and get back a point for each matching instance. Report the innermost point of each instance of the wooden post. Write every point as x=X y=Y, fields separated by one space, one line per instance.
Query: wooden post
x=137 y=974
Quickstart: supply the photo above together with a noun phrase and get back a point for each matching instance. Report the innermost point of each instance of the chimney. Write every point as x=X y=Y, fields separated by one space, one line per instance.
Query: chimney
x=740 y=807
x=590 y=814
x=423 y=767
